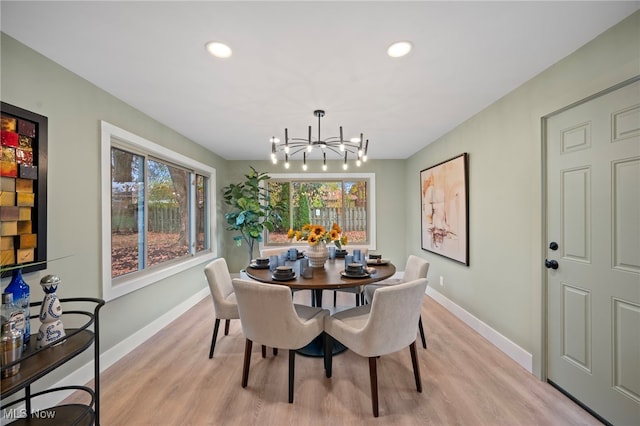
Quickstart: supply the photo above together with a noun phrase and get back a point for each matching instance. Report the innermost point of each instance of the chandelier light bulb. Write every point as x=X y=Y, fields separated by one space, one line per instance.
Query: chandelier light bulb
x=364 y=158
x=358 y=162
x=360 y=152
x=324 y=167
x=342 y=147
x=274 y=160
x=286 y=165
x=304 y=166
x=286 y=149
x=309 y=148
x=344 y=166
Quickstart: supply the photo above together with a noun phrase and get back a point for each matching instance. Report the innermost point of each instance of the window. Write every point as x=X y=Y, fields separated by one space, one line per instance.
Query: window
x=157 y=212
x=324 y=199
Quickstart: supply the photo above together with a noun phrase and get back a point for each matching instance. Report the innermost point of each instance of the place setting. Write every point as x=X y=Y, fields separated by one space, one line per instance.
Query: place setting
x=260 y=263
x=376 y=259
x=356 y=270
x=283 y=273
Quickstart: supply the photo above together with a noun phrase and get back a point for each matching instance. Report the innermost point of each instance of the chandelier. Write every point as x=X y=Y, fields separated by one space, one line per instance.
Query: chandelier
x=356 y=147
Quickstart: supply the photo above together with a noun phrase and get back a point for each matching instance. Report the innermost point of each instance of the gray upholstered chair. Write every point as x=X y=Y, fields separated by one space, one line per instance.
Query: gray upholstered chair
x=224 y=300
x=269 y=317
x=385 y=326
x=415 y=268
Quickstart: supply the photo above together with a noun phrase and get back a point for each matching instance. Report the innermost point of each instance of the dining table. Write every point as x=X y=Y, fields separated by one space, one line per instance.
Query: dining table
x=330 y=277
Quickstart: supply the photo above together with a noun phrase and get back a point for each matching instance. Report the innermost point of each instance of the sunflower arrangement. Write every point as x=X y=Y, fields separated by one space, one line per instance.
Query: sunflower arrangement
x=314 y=234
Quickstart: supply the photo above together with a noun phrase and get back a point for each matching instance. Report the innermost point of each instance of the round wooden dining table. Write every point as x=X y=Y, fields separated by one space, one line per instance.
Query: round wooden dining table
x=328 y=278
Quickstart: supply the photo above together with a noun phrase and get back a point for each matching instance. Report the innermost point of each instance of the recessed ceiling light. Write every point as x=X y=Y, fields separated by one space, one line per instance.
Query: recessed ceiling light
x=219 y=50
x=399 y=49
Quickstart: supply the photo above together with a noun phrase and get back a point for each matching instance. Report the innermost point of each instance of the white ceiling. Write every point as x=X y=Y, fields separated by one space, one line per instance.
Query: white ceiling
x=290 y=58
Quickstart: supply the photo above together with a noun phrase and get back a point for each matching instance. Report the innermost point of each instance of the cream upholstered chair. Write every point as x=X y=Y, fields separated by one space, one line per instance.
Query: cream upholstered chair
x=385 y=326
x=359 y=290
x=415 y=268
x=224 y=300
x=269 y=317
x=266 y=252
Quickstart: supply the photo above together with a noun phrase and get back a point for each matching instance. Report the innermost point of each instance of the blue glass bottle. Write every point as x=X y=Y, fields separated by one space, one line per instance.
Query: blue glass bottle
x=21 y=293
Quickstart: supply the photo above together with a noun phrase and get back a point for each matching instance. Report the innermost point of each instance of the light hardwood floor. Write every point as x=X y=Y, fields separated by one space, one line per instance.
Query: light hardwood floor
x=169 y=380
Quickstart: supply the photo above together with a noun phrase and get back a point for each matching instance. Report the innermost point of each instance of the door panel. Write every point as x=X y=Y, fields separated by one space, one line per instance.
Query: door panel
x=593 y=297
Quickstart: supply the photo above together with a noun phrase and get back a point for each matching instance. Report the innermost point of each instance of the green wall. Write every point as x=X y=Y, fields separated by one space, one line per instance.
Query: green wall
x=503 y=284
x=74 y=108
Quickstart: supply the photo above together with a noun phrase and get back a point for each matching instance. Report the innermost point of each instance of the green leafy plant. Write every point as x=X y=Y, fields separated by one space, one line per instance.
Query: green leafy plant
x=252 y=210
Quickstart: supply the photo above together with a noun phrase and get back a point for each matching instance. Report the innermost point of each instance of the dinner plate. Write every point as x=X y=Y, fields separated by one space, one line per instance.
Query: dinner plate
x=347 y=275
x=289 y=278
x=256 y=266
x=377 y=261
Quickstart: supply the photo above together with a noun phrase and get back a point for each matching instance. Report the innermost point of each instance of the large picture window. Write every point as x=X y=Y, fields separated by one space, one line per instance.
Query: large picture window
x=159 y=212
x=346 y=199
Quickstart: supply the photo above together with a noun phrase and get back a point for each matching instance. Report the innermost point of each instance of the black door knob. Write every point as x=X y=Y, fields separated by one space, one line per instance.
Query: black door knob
x=553 y=245
x=551 y=264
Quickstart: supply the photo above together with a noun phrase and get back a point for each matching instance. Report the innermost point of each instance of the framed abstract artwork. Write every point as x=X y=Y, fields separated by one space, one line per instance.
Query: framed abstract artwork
x=23 y=189
x=444 y=215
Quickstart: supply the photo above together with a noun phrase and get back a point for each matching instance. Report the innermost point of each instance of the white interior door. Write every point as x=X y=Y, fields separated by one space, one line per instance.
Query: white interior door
x=593 y=297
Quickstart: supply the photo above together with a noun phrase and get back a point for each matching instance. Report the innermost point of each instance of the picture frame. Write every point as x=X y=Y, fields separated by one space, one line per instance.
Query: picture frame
x=444 y=209
x=27 y=180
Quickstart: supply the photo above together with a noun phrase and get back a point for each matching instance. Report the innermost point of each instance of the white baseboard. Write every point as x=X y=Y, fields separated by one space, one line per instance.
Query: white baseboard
x=84 y=374
x=511 y=349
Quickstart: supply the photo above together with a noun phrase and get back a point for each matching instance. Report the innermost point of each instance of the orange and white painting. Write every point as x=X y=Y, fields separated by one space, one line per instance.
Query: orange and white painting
x=445 y=209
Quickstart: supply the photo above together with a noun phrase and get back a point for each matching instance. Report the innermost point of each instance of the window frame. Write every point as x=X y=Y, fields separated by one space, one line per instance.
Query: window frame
x=371 y=201
x=113 y=288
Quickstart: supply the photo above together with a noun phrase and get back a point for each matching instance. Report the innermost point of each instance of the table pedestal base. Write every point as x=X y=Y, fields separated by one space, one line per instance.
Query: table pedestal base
x=316 y=348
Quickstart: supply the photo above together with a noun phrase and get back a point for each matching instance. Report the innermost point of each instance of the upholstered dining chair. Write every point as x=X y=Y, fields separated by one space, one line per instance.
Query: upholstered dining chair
x=415 y=268
x=224 y=300
x=269 y=317
x=386 y=325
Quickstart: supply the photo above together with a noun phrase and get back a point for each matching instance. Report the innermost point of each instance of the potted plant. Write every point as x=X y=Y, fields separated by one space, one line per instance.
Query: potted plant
x=252 y=210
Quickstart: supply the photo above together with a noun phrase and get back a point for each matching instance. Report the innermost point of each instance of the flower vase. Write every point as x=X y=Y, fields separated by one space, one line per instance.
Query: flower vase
x=52 y=329
x=318 y=255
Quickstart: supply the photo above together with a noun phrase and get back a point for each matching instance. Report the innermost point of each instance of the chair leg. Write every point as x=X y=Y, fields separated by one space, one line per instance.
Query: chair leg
x=275 y=351
x=292 y=363
x=373 y=375
x=264 y=351
x=247 y=361
x=416 y=366
x=328 y=354
x=357 y=299
x=313 y=298
x=213 y=339
x=424 y=340
x=226 y=327
x=335 y=298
